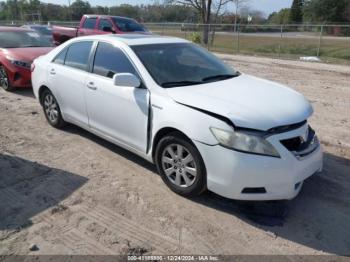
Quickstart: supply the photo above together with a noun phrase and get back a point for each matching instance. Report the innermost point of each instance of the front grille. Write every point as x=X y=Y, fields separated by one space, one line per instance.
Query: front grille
x=292 y=144
x=300 y=147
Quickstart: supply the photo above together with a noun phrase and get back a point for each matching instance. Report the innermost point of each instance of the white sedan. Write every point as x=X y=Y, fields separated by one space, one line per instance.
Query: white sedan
x=204 y=125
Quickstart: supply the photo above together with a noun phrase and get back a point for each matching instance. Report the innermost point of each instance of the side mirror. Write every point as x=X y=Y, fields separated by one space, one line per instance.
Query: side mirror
x=107 y=29
x=126 y=79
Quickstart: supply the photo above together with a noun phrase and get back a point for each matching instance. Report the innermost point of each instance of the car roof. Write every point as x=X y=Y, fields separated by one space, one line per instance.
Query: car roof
x=138 y=39
x=14 y=29
x=109 y=16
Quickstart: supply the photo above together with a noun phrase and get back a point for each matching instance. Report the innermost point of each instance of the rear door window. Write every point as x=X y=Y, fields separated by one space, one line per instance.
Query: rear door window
x=59 y=59
x=104 y=23
x=90 y=23
x=78 y=55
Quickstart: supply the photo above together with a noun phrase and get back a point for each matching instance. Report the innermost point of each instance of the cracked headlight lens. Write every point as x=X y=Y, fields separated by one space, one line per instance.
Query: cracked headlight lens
x=244 y=142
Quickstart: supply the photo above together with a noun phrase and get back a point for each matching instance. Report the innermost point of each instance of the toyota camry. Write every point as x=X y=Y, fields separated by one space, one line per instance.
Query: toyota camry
x=204 y=124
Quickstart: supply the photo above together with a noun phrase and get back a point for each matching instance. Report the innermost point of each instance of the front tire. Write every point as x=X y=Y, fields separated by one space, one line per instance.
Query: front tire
x=180 y=165
x=52 y=110
x=4 y=80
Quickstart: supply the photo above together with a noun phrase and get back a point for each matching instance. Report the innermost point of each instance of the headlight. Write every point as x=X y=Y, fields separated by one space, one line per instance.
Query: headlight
x=19 y=62
x=244 y=142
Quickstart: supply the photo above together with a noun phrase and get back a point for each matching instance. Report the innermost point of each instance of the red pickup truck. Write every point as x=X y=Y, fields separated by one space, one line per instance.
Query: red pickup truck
x=98 y=24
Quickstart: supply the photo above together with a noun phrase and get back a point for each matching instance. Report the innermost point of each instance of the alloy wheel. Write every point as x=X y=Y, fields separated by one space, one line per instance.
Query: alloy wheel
x=4 y=82
x=178 y=165
x=51 y=108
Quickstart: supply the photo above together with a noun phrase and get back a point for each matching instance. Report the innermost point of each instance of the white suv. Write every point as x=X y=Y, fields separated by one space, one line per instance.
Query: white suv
x=205 y=125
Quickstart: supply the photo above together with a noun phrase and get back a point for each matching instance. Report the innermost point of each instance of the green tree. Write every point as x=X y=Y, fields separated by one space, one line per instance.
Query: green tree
x=176 y=13
x=30 y=10
x=296 y=11
x=281 y=17
x=54 y=12
x=2 y=10
x=347 y=13
x=326 y=11
x=12 y=10
x=126 y=10
x=80 y=8
x=100 y=10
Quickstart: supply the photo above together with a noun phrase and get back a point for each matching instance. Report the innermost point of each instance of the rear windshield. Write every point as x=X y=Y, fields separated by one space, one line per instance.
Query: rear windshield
x=128 y=25
x=43 y=30
x=23 y=39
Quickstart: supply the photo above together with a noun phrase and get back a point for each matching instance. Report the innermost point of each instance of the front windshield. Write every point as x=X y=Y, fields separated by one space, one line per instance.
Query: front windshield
x=180 y=64
x=22 y=39
x=128 y=25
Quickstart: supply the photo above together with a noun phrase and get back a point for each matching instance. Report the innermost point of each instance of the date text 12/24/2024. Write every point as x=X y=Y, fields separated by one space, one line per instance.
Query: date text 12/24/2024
x=173 y=258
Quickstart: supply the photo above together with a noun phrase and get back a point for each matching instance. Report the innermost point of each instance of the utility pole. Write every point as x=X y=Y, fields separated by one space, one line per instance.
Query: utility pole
x=236 y=14
x=320 y=42
x=69 y=11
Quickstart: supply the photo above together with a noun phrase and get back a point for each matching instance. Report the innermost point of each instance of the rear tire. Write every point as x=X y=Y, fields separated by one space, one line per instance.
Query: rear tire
x=52 y=110
x=180 y=165
x=4 y=80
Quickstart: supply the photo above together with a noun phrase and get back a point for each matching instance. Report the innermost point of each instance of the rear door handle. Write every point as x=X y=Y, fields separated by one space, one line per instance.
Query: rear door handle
x=53 y=72
x=91 y=86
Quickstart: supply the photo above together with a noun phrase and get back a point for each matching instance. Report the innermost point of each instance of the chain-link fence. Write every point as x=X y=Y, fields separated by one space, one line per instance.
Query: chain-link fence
x=327 y=42
x=330 y=43
x=57 y=23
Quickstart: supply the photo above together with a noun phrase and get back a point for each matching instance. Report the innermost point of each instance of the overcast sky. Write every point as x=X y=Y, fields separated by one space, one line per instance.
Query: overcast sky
x=267 y=6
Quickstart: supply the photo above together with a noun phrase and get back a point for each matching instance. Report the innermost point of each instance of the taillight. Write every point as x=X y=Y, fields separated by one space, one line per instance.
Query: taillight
x=32 y=67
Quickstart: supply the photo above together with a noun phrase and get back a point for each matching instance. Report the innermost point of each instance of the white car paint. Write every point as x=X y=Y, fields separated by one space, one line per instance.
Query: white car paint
x=248 y=102
x=72 y=86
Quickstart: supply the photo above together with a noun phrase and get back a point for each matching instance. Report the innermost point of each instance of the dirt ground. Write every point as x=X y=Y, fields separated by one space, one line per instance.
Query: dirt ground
x=69 y=192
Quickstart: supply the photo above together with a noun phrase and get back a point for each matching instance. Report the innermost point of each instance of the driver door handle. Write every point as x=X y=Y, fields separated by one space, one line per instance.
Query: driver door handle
x=52 y=72
x=91 y=86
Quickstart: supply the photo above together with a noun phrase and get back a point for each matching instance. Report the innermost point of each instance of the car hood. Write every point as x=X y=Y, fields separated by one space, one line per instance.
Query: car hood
x=27 y=54
x=247 y=101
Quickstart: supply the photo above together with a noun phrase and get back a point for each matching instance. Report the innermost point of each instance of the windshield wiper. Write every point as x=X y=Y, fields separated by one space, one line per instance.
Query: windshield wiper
x=180 y=83
x=220 y=77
